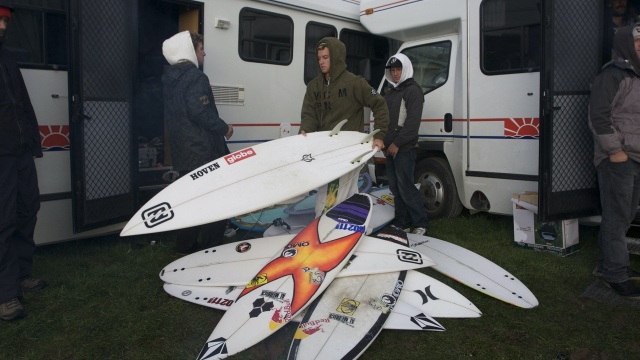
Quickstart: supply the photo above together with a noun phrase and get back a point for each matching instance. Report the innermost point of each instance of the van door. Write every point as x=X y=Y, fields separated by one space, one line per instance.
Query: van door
x=101 y=79
x=432 y=71
x=572 y=59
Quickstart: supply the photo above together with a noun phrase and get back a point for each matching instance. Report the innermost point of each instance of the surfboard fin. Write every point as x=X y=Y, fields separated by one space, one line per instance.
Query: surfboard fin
x=337 y=128
x=370 y=136
x=359 y=158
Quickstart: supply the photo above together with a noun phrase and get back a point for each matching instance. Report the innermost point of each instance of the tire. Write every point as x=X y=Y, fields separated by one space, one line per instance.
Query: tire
x=438 y=188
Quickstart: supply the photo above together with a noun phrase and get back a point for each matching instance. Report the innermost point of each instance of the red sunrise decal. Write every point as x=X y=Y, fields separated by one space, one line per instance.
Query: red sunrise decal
x=522 y=128
x=54 y=137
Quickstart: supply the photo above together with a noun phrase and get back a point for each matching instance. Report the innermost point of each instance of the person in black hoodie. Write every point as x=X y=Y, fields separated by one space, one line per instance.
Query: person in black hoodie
x=196 y=131
x=614 y=120
x=405 y=101
x=19 y=194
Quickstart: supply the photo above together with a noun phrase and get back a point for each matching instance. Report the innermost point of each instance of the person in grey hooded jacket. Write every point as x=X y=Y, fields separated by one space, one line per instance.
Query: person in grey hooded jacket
x=405 y=101
x=614 y=120
x=196 y=131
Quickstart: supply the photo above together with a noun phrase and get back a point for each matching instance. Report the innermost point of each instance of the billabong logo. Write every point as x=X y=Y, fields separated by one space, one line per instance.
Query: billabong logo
x=157 y=215
x=409 y=256
x=239 y=156
x=307 y=158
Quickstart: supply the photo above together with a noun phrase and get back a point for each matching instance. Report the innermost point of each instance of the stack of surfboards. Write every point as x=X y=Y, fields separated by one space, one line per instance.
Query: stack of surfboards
x=372 y=290
x=342 y=286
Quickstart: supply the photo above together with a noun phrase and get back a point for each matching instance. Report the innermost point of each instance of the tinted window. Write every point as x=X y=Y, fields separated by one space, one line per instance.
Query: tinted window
x=313 y=34
x=265 y=37
x=430 y=64
x=510 y=36
x=37 y=34
x=366 y=54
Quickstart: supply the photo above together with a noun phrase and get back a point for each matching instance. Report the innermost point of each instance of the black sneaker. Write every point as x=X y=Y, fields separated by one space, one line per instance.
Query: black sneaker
x=626 y=289
x=633 y=275
x=11 y=310
x=407 y=230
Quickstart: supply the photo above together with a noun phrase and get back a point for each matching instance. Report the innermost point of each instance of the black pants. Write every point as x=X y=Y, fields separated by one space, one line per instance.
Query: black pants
x=210 y=234
x=19 y=205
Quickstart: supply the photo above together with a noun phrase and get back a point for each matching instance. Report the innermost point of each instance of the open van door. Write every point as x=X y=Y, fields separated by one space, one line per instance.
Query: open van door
x=101 y=80
x=572 y=58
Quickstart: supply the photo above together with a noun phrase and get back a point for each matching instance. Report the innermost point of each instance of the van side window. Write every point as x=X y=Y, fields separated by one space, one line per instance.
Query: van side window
x=38 y=34
x=511 y=39
x=430 y=64
x=313 y=34
x=366 y=54
x=265 y=37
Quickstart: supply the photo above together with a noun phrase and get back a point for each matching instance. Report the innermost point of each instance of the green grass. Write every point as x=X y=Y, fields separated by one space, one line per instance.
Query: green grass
x=105 y=301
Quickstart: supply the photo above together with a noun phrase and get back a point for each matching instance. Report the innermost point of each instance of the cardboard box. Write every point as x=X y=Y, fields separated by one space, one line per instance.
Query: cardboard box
x=559 y=237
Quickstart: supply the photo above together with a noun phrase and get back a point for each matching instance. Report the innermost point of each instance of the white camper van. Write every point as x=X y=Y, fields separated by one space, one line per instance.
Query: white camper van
x=93 y=70
x=506 y=84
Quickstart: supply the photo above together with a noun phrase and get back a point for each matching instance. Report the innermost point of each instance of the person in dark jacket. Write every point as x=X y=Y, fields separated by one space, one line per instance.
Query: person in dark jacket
x=405 y=101
x=614 y=120
x=334 y=95
x=19 y=194
x=196 y=131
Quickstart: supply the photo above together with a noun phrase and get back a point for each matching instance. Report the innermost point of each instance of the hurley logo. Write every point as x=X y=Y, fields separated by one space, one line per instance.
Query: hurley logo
x=240 y=155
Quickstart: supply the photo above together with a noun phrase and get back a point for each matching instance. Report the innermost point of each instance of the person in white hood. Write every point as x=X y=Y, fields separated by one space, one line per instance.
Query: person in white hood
x=196 y=131
x=405 y=101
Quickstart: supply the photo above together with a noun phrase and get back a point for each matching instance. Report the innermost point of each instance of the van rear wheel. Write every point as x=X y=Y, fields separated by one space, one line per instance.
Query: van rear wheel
x=438 y=188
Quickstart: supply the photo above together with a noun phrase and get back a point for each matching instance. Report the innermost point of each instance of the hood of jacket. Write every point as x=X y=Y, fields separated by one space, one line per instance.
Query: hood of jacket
x=407 y=69
x=179 y=48
x=624 y=47
x=337 y=56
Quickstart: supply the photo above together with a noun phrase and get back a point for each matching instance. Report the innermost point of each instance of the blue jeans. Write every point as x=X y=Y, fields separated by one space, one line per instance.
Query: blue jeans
x=409 y=209
x=619 y=196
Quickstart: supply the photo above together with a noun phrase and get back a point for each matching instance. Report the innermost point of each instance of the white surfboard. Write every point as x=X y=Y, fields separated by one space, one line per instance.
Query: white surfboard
x=435 y=298
x=383 y=214
x=347 y=317
x=251 y=179
x=292 y=279
x=421 y=292
x=236 y=263
x=407 y=317
x=474 y=271
x=403 y=316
